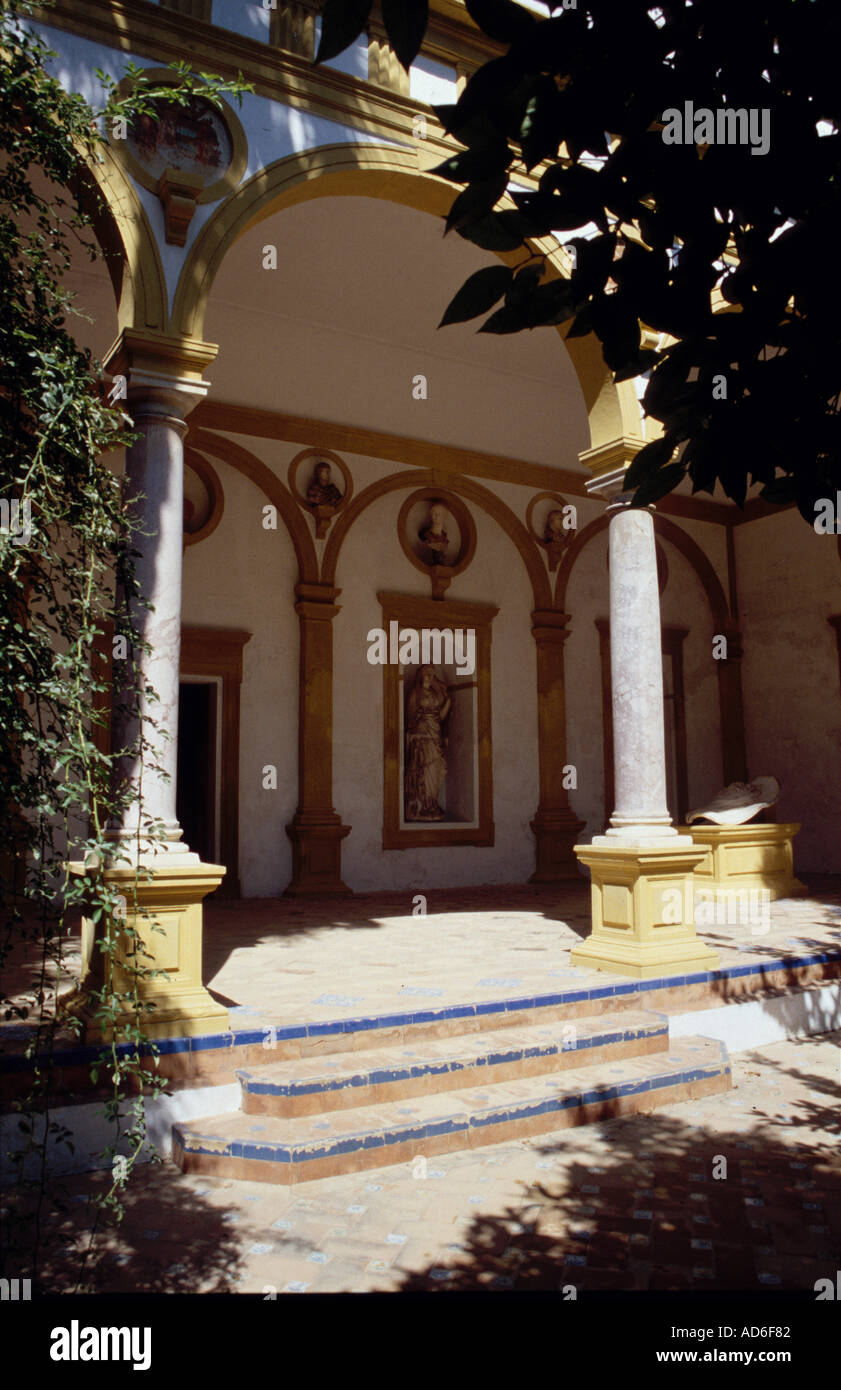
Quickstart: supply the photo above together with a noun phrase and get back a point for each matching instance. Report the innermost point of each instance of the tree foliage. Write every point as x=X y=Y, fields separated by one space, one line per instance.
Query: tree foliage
x=67 y=549
x=721 y=249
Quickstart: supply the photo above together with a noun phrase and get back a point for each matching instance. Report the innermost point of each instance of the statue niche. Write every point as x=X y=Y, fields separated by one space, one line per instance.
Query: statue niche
x=427 y=711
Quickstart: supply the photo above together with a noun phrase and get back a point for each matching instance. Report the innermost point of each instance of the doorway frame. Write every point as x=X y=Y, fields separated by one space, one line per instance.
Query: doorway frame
x=217 y=652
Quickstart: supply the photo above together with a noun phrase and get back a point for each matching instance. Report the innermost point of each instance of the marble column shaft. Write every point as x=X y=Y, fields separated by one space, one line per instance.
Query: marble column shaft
x=636 y=668
x=155 y=477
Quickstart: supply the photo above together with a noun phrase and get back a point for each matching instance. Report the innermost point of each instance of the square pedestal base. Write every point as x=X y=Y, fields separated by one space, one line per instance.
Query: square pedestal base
x=168 y=919
x=750 y=857
x=643 y=910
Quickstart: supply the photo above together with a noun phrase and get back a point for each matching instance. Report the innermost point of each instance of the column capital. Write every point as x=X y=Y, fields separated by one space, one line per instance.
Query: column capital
x=550 y=625
x=163 y=371
x=608 y=464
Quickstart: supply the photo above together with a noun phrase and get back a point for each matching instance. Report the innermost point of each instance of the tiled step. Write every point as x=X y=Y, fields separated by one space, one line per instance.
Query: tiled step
x=269 y=1148
x=312 y=1086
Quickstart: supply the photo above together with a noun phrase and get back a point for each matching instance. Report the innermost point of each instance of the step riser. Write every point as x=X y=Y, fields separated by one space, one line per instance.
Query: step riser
x=432 y=1083
x=258 y=1170
x=408 y=1034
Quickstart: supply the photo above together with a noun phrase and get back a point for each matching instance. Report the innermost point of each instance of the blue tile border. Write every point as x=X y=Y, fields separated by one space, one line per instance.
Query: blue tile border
x=250 y=1037
x=309 y=1150
x=257 y=1084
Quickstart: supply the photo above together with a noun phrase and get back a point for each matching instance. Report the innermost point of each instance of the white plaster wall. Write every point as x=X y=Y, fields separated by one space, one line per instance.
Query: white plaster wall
x=244 y=576
x=360 y=287
x=789 y=583
x=372 y=560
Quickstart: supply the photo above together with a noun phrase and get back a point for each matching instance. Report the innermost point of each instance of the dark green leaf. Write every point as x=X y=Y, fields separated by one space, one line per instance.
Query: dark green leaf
x=478 y=294
x=475 y=202
x=500 y=19
x=648 y=462
x=405 y=23
x=491 y=233
x=475 y=165
x=507 y=320
x=342 y=21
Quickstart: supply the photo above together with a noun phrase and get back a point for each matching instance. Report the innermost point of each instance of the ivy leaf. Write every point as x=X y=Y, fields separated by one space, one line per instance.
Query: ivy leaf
x=478 y=294
x=342 y=22
x=405 y=23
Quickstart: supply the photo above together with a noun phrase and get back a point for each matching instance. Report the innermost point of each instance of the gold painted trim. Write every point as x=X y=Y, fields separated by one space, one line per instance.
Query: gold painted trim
x=227 y=451
x=205 y=470
x=416 y=612
x=466 y=488
x=131 y=251
x=420 y=453
x=145 y=349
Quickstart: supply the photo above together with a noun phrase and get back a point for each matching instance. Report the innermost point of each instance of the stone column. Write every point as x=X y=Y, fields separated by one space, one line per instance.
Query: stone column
x=555 y=826
x=162 y=881
x=155 y=476
x=641 y=868
x=636 y=678
x=316 y=831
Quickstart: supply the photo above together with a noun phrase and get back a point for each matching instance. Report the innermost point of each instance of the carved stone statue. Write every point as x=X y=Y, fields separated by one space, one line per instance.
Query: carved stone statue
x=739 y=802
x=554 y=530
x=427 y=709
x=321 y=491
x=433 y=534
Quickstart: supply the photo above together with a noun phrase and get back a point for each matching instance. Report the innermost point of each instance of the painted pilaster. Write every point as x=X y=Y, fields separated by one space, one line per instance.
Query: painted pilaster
x=555 y=826
x=316 y=831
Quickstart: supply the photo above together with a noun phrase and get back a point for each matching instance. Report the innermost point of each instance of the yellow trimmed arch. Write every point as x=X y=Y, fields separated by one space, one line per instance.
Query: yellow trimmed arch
x=393 y=174
x=131 y=253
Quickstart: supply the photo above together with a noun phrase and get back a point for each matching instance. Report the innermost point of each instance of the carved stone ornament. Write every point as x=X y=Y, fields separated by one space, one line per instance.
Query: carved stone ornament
x=438 y=535
x=548 y=518
x=321 y=482
x=189 y=153
x=739 y=802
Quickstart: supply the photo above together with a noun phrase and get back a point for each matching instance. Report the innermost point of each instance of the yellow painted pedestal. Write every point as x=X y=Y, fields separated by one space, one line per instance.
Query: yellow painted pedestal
x=751 y=857
x=168 y=918
x=643 y=910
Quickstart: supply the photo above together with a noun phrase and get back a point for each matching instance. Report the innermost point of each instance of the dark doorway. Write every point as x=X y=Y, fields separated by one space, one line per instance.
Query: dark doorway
x=195 y=800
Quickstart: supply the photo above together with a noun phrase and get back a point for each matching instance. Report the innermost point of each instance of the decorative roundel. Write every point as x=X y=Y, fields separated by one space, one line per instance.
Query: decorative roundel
x=437 y=533
x=204 y=499
x=321 y=483
x=197 y=140
x=552 y=522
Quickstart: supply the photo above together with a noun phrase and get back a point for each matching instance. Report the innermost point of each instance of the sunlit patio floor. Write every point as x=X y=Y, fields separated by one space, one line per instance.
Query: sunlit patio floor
x=286 y=959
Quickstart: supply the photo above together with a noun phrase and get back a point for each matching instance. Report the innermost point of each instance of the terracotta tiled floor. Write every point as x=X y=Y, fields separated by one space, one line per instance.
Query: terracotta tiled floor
x=629 y=1204
x=288 y=959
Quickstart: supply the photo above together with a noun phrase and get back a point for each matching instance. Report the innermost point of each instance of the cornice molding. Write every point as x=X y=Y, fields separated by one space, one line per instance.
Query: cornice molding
x=442 y=458
x=151 y=31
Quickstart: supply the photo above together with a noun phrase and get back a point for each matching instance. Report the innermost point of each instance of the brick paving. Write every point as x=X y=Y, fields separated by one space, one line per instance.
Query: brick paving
x=631 y=1204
